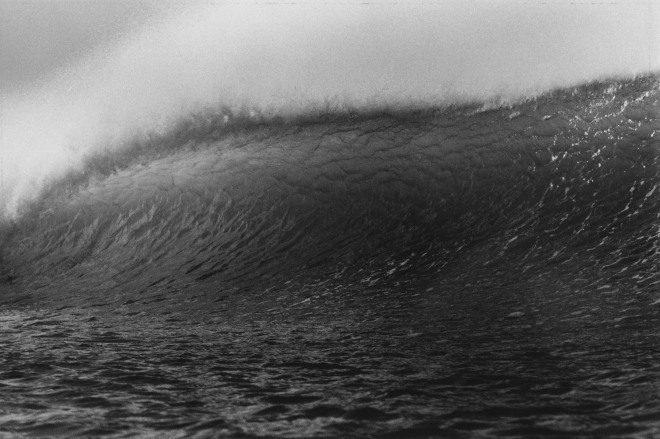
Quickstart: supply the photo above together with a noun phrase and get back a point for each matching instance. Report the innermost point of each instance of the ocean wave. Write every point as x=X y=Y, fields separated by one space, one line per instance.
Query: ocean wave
x=225 y=199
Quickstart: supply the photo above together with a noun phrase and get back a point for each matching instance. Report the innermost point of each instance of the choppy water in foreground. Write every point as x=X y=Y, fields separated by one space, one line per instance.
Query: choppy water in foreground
x=451 y=366
x=470 y=272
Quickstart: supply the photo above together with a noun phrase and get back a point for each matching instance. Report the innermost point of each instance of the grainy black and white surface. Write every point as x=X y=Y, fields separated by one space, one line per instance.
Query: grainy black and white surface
x=277 y=220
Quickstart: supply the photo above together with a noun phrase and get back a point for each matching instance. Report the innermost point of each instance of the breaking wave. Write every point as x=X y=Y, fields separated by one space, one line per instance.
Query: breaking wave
x=233 y=202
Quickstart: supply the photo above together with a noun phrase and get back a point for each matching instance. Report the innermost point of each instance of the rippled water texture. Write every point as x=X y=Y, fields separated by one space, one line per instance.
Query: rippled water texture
x=466 y=272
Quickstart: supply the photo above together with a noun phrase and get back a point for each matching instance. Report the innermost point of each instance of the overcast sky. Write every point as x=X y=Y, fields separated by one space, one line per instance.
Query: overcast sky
x=37 y=36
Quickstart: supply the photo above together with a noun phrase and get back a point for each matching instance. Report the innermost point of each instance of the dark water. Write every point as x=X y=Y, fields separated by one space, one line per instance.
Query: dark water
x=465 y=272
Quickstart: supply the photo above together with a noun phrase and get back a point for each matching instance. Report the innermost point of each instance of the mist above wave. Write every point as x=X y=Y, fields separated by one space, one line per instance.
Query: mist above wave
x=283 y=60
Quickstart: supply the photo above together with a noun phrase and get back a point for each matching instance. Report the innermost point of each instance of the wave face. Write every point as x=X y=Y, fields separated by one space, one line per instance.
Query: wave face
x=478 y=268
x=362 y=199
